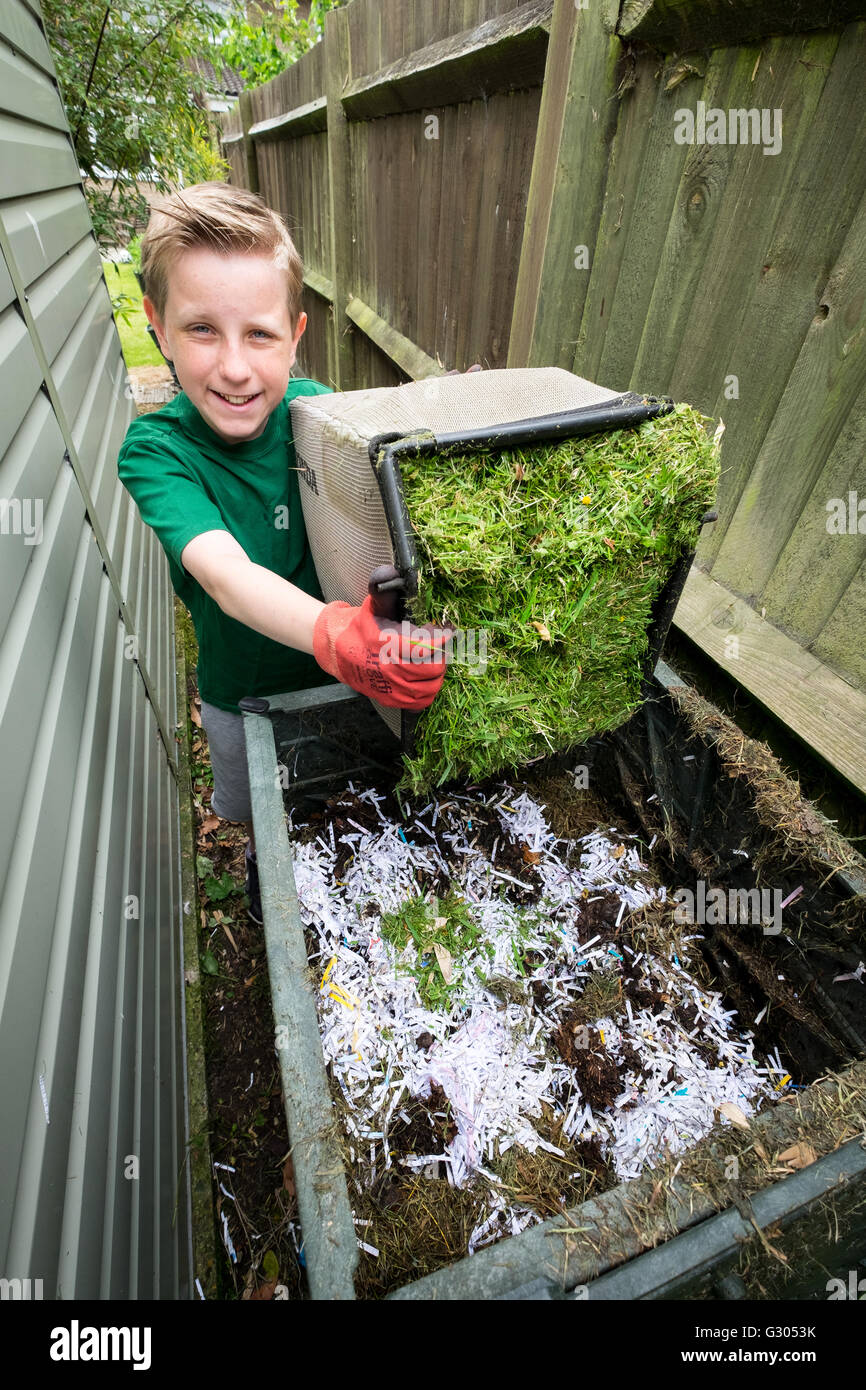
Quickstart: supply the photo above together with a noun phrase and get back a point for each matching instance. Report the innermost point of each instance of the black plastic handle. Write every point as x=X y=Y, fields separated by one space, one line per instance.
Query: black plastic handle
x=384 y=585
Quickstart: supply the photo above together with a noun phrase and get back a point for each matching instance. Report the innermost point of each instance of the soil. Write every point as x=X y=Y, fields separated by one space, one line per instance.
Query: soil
x=429 y=1126
x=511 y=858
x=596 y=1071
x=598 y=918
x=594 y=1161
x=248 y=1130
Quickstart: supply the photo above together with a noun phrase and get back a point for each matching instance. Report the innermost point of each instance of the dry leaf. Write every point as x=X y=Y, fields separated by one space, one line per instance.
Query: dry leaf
x=542 y=630
x=194 y=714
x=208 y=824
x=264 y=1291
x=231 y=938
x=289 y=1176
x=618 y=852
x=439 y=922
x=518 y=472
x=761 y=1151
x=799 y=1155
x=733 y=1113
x=443 y=956
x=531 y=856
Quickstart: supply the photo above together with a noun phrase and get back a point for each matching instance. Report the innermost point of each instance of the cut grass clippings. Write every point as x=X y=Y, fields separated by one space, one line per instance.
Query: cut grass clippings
x=552 y=557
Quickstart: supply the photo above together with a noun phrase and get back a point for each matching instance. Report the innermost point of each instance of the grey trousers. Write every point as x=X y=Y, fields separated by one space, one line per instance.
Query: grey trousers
x=228 y=757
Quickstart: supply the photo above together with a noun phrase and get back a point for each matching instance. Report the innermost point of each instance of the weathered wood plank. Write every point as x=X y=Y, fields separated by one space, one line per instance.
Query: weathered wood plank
x=250 y=163
x=508 y=138
x=501 y=54
x=687 y=25
x=341 y=212
x=313 y=115
x=681 y=257
x=543 y=182
x=407 y=355
x=430 y=165
x=658 y=178
x=709 y=369
x=427 y=25
x=822 y=709
x=788 y=78
x=450 y=131
x=818 y=564
x=628 y=160
x=799 y=255
x=398 y=219
x=320 y=284
x=842 y=643
x=824 y=386
x=576 y=125
x=471 y=276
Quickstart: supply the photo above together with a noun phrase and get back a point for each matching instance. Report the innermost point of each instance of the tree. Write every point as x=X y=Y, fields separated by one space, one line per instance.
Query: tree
x=262 y=46
x=135 y=103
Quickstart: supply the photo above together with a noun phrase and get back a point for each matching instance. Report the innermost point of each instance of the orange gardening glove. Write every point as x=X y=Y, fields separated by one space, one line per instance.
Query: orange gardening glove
x=397 y=664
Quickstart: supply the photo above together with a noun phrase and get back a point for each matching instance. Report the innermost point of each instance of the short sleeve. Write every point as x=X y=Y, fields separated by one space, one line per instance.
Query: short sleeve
x=169 y=500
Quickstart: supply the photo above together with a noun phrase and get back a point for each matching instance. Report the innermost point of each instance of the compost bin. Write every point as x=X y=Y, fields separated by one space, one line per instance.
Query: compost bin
x=557 y=969
x=743 y=1212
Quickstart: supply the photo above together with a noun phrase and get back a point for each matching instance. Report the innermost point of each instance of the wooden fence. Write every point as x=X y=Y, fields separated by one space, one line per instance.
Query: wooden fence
x=582 y=183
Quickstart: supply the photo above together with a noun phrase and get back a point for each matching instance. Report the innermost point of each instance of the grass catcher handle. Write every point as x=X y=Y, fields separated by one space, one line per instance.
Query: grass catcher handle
x=619 y=413
x=384 y=588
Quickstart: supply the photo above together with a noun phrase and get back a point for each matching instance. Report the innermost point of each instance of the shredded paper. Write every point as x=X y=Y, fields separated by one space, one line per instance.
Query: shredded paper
x=492 y=1056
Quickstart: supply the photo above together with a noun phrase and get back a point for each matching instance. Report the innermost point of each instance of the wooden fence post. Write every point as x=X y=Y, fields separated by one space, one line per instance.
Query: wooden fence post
x=576 y=122
x=251 y=167
x=341 y=209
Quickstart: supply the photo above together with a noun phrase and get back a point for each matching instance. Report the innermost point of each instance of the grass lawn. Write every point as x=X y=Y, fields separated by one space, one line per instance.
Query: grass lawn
x=138 y=348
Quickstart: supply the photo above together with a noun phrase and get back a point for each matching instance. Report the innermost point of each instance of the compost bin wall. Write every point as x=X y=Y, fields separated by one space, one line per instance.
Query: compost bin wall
x=93 y=1192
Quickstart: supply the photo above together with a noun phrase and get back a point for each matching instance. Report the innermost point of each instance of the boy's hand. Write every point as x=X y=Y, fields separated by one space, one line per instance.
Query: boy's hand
x=398 y=665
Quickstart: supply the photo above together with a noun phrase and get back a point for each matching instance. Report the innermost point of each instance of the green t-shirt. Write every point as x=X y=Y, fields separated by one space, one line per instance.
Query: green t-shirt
x=185 y=480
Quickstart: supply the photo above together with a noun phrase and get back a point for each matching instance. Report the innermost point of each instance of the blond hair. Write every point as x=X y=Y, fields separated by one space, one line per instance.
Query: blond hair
x=224 y=219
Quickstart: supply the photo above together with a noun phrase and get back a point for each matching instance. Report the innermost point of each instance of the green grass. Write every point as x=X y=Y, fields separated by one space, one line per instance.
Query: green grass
x=138 y=349
x=557 y=554
x=446 y=922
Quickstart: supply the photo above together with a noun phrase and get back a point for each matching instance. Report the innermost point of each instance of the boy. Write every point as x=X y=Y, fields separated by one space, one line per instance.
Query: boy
x=213 y=473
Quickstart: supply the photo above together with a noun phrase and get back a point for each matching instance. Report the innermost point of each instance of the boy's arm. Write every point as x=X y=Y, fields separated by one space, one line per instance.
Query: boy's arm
x=346 y=641
x=250 y=593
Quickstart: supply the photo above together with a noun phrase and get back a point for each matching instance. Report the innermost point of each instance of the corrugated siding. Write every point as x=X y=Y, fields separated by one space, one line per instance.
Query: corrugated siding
x=91 y=1025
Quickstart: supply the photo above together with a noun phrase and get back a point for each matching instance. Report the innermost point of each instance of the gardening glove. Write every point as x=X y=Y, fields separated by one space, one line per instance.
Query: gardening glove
x=348 y=643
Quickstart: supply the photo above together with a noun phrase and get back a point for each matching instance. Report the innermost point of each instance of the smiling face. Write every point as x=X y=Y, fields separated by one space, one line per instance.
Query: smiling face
x=228 y=332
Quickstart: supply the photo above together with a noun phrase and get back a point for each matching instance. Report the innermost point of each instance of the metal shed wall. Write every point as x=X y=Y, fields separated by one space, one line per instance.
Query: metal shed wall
x=93 y=1174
